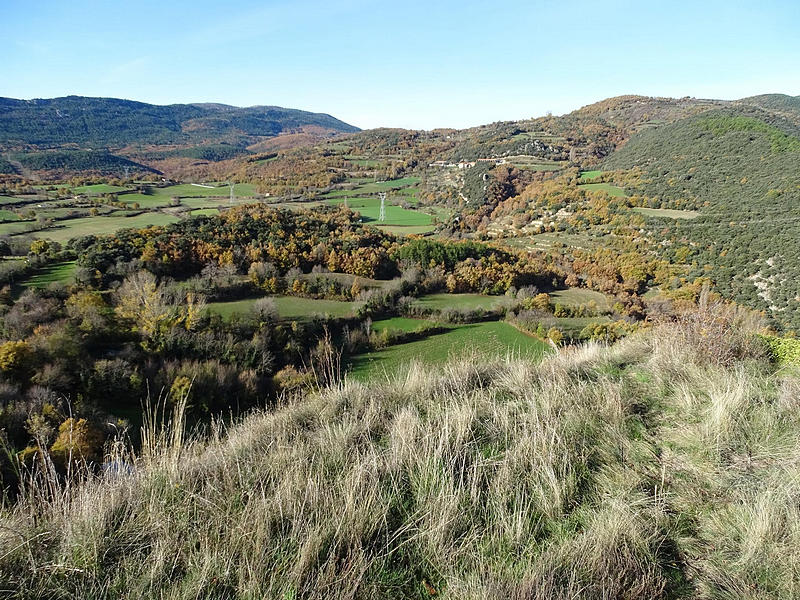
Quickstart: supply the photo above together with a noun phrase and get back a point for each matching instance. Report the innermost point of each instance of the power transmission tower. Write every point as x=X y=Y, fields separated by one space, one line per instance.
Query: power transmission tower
x=233 y=194
x=382 y=215
x=345 y=202
x=127 y=172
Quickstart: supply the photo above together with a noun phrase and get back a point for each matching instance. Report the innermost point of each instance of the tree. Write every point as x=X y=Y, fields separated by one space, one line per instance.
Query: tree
x=154 y=308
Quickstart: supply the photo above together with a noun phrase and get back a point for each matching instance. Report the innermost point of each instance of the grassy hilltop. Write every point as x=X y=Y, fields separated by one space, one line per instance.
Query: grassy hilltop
x=662 y=467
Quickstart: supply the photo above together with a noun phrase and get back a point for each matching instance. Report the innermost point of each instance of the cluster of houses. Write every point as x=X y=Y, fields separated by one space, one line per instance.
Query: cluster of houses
x=466 y=164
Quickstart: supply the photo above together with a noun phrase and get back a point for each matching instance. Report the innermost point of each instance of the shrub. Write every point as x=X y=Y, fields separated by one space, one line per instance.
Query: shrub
x=784 y=350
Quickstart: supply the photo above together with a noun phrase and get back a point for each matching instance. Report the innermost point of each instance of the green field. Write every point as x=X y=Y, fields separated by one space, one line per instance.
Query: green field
x=289 y=307
x=395 y=215
x=144 y=200
x=400 y=323
x=213 y=202
x=14 y=227
x=668 y=213
x=162 y=196
x=59 y=212
x=102 y=225
x=492 y=338
x=204 y=200
x=589 y=175
x=608 y=188
x=574 y=325
x=467 y=301
x=61 y=272
x=97 y=189
x=188 y=190
x=208 y=212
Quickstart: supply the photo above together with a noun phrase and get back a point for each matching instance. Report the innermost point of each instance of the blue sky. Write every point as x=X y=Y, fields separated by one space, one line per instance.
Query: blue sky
x=401 y=64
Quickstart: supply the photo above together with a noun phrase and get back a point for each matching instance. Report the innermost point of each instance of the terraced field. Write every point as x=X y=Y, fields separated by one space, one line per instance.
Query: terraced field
x=73 y=219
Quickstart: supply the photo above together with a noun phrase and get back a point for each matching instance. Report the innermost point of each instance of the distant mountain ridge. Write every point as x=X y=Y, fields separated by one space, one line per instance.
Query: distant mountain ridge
x=91 y=122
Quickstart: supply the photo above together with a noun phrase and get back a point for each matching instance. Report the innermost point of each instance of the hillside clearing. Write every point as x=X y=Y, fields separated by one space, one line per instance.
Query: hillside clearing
x=610 y=189
x=589 y=175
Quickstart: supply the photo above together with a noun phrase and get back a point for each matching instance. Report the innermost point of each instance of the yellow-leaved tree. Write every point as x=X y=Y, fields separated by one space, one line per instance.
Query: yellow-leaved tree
x=154 y=308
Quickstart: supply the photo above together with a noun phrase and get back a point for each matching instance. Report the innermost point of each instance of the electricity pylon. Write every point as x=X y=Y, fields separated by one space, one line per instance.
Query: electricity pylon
x=382 y=215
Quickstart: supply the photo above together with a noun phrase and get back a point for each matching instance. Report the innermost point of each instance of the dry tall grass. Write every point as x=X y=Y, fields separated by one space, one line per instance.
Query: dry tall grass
x=635 y=471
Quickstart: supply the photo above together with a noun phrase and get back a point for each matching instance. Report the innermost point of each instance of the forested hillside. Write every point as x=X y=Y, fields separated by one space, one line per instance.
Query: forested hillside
x=110 y=122
x=739 y=169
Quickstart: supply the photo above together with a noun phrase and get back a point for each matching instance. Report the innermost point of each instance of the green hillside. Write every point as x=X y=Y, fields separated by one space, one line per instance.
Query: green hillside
x=741 y=171
x=787 y=105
